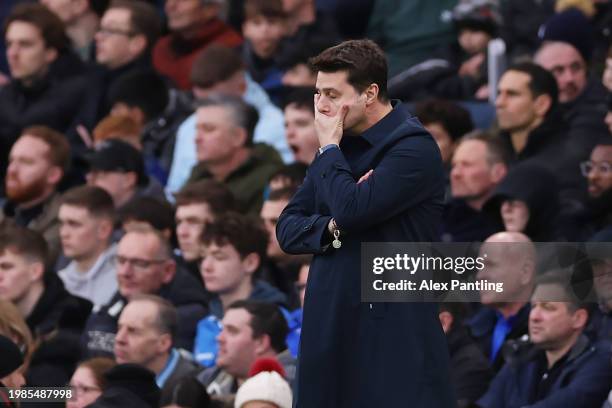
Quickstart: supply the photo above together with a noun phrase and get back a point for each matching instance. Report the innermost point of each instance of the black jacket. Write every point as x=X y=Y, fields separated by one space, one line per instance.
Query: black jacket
x=585 y=118
x=56 y=321
x=549 y=145
x=439 y=76
x=57 y=308
x=173 y=387
x=159 y=135
x=462 y=223
x=470 y=371
x=184 y=292
x=100 y=80
x=582 y=382
x=52 y=102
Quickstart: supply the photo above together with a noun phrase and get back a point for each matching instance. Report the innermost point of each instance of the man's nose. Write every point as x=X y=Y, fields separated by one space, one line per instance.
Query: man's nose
x=322 y=104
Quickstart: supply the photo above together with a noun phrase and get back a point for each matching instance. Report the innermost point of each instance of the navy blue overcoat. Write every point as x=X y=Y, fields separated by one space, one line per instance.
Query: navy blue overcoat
x=353 y=354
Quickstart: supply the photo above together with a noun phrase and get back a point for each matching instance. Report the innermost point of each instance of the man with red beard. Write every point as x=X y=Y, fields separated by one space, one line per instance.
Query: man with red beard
x=37 y=162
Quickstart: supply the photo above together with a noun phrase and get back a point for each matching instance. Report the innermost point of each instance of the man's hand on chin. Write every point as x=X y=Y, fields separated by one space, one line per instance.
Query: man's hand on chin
x=330 y=128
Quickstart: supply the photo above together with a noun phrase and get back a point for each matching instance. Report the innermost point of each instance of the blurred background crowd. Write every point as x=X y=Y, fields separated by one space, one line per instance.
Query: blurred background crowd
x=148 y=148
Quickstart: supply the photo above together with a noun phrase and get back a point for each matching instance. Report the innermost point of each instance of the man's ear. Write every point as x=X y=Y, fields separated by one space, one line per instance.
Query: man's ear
x=138 y=44
x=50 y=55
x=240 y=137
x=169 y=271
x=527 y=272
x=251 y=262
x=37 y=271
x=164 y=343
x=105 y=229
x=580 y=318
x=372 y=94
x=262 y=344
x=542 y=104
x=54 y=175
x=498 y=172
x=131 y=179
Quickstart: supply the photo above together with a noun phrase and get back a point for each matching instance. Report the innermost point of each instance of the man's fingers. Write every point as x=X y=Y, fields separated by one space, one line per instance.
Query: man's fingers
x=341 y=116
x=365 y=177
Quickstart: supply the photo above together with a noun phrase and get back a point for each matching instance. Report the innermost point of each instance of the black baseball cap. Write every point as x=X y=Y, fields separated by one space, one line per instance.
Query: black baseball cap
x=117 y=155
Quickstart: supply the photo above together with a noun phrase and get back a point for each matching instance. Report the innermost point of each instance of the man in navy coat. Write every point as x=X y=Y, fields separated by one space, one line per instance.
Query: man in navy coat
x=382 y=182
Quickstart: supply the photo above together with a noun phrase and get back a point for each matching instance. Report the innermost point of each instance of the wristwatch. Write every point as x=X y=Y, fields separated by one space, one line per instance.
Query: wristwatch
x=327 y=147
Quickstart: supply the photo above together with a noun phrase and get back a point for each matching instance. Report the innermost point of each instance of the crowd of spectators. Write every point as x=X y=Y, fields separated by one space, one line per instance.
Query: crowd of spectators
x=148 y=148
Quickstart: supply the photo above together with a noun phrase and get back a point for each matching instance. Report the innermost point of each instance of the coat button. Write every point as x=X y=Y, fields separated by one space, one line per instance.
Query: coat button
x=323 y=175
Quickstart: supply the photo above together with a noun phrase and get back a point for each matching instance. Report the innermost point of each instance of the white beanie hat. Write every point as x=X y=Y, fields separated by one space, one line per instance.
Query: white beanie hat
x=266 y=386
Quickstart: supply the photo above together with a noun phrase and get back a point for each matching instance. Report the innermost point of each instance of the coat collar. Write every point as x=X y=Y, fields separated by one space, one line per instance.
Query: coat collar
x=376 y=133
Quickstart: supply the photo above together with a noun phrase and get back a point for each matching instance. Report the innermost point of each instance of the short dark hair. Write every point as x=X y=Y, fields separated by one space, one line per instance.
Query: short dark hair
x=51 y=27
x=59 y=148
x=454 y=118
x=563 y=279
x=218 y=197
x=143 y=18
x=167 y=317
x=283 y=194
x=496 y=152
x=215 y=64
x=301 y=97
x=159 y=214
x=266 y=318
x=363 y=60
x=301 y=55
x=95 y=200
x=144 y=89
x=244 y=233
x=24 y=242
x=294 y=173
x=266 y=8
x=98 y=6
x=244 y=115
x=541 y=81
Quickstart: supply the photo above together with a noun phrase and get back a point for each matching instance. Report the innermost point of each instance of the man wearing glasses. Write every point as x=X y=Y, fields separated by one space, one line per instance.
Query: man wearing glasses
x=128 y=30
x=598 y=212
x=144 y=265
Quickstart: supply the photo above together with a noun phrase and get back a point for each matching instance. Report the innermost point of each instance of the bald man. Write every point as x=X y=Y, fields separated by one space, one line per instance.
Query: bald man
x=510 y=259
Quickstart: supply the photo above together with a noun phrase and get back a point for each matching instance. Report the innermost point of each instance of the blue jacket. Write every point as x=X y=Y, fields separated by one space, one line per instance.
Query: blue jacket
x=355 y=354
x=482 y=326
x=205 y=343
x=584 y=381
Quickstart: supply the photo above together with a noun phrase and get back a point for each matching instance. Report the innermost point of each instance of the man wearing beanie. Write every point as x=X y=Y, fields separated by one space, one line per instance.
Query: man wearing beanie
x=567 y=45
x=266 y=386
x=118 y=167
